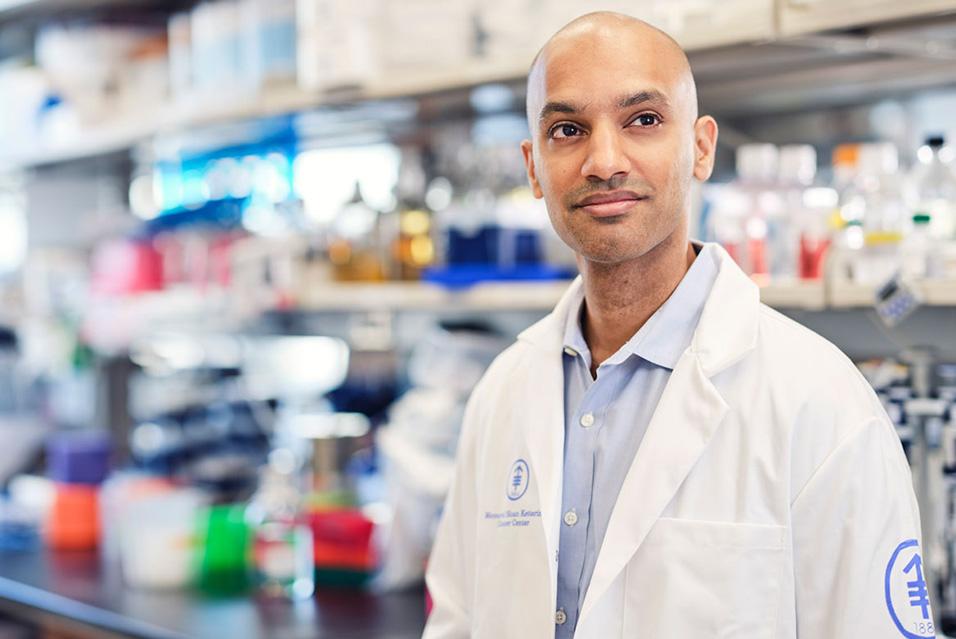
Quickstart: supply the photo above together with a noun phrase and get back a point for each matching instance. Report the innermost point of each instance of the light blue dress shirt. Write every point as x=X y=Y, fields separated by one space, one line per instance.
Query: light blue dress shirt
x=605 y=420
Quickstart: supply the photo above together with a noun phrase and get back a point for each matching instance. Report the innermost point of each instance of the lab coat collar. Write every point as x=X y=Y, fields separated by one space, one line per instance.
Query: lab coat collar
x=668 y=332
x=727 y=329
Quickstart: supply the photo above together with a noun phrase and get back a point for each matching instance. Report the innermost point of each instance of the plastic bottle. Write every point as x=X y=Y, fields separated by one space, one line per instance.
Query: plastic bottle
x=750 y=209
x=885 y=203
x=817 y=224
x=846 y=251
x=935 y=181
x=884 y=193
x=916 y=251
x=798 y=237
x=282 y=542
x=846 y=166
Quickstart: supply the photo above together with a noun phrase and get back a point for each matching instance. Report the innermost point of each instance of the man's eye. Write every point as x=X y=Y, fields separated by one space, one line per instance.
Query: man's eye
x=647 y=120
x=565 y=131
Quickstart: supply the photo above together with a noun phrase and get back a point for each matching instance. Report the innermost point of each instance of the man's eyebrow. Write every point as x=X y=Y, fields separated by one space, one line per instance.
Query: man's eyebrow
x=641 y=97
x=557 y=107
x=650 y=95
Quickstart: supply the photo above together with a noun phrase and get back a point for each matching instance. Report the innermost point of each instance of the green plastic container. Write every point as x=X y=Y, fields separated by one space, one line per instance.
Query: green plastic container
x=224 y=561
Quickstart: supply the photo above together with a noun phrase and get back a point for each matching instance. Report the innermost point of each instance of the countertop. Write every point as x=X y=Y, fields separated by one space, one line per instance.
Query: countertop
x=80 y=592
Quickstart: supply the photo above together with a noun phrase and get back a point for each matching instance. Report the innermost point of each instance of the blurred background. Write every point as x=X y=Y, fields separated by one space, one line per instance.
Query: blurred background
x=254 y=254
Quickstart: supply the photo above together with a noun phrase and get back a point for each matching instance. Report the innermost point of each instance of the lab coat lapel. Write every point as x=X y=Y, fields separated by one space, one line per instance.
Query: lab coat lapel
x=539 y=402
x=688 y=414
x=543 y=420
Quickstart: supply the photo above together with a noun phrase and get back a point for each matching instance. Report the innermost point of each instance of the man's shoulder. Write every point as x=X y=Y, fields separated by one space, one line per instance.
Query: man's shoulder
x=804 y=365
x=801 y=347
x=819 y=381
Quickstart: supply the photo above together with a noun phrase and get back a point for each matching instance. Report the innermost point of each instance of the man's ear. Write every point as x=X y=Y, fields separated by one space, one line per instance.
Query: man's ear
x=528 y=151
x=705 y=146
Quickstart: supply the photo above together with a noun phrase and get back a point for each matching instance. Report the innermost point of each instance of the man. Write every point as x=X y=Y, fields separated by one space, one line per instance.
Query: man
x=663 y=456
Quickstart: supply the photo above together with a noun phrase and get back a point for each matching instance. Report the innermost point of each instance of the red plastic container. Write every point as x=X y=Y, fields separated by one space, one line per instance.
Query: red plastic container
x=343 y=539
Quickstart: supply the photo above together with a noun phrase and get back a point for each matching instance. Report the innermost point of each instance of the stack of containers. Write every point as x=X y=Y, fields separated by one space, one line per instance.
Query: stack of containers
x=424 y=35
x=269 y=32
x=336 y=43
x=232 y=47
x=342 y=535
x=216 y=48
x=504 y=27
x=78 y=463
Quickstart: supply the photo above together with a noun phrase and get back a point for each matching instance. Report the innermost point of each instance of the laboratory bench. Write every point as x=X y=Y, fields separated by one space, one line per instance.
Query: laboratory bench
x=73 y=594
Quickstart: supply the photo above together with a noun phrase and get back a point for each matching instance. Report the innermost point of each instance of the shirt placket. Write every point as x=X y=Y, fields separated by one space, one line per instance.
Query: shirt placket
x=575 y=518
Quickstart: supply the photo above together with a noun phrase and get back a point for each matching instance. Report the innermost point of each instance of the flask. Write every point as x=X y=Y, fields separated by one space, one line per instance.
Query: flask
x=282 y=540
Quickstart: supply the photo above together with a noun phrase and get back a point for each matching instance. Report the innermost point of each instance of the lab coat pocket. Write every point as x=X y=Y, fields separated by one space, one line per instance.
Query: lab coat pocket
x=702 y=579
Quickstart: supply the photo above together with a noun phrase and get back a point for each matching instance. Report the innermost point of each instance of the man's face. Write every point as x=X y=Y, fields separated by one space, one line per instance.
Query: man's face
x=615 y=144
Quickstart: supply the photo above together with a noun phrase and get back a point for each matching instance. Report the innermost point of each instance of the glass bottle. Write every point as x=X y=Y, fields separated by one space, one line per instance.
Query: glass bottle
x=282 y=543
x=354 y=247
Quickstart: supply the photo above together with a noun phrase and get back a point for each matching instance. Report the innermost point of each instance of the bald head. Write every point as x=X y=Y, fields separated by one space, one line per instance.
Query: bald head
x=605 y=34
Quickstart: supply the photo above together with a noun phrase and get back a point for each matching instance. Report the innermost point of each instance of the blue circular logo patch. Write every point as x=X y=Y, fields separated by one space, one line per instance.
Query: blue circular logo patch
x=907 y=592
x=518 y=480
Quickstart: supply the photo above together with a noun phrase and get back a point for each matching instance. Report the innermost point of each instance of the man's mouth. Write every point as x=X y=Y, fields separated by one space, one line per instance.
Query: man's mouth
x=609 y=204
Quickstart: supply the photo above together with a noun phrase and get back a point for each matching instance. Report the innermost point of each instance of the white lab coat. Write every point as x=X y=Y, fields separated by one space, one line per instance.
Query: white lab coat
x=770 y=497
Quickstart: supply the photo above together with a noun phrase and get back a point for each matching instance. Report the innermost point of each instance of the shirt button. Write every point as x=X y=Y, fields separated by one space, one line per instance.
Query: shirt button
x=570 y=518
x=570 y=351
x=560 y=617
x=587 y=420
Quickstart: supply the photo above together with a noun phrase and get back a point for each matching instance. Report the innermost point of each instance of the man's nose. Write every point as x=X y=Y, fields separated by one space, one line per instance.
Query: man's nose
x=606 y=157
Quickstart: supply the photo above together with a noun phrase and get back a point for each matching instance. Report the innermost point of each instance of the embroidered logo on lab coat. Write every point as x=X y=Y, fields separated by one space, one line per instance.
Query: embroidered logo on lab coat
x=518 y=480
x=907 y=592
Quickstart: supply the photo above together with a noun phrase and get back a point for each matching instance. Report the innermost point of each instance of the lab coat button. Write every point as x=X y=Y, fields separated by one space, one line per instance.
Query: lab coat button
x=587 y=420
x=560 y=617
x=570 y=518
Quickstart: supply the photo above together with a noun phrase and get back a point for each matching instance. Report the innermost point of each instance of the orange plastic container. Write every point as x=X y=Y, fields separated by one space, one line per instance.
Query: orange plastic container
x=74 y=518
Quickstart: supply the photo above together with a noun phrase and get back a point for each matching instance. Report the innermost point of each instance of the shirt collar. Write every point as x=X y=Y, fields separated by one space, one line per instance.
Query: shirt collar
x=668 y=332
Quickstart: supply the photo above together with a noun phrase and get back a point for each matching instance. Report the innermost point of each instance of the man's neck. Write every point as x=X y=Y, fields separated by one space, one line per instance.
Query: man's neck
x=620 y=298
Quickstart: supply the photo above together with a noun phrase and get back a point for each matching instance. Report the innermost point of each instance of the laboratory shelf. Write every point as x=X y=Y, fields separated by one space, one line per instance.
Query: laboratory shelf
x=120 y=135
x=500 y=296
x=416 y=296
x=843 y=294
x=125 y=131
x=111 y=324
x=801 y=294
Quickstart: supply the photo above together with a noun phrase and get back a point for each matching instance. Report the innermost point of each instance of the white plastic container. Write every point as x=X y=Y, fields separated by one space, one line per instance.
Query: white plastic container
x=157 y=540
